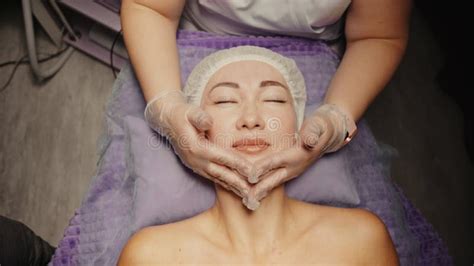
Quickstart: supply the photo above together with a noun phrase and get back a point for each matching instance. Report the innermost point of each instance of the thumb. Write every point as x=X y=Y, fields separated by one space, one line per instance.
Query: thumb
x=199 y=118
x=311 y=131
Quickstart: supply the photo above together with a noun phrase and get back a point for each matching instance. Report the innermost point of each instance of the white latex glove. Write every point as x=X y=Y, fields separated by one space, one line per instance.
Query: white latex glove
x=322 y=132
x=183 y=125
x=328 y=119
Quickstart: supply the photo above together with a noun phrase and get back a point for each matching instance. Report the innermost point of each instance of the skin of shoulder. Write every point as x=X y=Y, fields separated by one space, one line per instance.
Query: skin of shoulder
x=351 y=235
x=371 y=240
x=155 y=245
x=359 y=235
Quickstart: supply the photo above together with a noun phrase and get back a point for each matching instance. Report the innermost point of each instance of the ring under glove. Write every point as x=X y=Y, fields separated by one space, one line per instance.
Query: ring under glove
x=328 y=119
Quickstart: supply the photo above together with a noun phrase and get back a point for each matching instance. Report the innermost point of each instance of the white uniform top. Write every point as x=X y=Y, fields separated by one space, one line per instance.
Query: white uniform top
x=316 y=19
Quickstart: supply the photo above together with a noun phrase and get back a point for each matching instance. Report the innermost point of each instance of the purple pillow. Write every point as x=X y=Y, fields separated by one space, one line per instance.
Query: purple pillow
x=167 y=191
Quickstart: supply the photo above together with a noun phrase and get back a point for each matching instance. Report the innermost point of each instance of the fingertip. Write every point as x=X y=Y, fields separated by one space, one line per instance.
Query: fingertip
x=252 y=179
x=310 y=140
x=255 y=174
x=242 y=166
x=206 y=122
x=308 y=147
x=251 y=203
x=199 y=118
x=203 y=121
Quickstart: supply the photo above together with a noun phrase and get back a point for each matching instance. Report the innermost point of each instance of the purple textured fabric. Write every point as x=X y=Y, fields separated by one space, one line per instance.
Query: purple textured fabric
x=432 y=249
x=104 y=221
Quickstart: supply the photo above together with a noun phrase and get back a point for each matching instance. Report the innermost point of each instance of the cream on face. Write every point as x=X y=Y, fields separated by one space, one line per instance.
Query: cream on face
x=251 y=107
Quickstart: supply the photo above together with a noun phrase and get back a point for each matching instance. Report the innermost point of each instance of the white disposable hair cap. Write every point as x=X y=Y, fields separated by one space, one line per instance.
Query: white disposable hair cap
x=202 y=73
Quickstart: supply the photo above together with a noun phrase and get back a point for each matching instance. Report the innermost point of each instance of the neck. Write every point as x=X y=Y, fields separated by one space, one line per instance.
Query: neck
x=247 y=231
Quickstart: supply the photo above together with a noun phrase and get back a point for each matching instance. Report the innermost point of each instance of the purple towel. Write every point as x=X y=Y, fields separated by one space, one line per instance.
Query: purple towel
x=102 y=224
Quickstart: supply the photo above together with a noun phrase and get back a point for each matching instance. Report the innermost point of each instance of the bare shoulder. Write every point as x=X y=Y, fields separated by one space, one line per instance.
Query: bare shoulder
x=351 y=235
x=369 y=237
x=148 y=246
x=157 y=244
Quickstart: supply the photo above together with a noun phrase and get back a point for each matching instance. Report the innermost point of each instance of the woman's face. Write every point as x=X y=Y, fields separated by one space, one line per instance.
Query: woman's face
x=251 y=107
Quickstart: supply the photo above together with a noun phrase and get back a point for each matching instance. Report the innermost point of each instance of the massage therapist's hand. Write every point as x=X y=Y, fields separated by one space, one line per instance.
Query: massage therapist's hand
x=183 y=125
x=322 y=132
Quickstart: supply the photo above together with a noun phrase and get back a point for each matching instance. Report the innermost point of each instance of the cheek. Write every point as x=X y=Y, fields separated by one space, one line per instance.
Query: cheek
x=222 y=126
x=291 y=126
x=282 y=127
x=282 y=120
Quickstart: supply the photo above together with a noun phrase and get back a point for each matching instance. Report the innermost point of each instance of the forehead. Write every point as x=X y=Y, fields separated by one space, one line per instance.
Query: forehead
x=246 y=71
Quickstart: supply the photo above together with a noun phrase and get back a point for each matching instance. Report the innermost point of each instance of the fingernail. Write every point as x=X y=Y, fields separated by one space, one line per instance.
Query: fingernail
x=249 y=171
x=252 y=204
x=206 y=124
x=312 y=142
x=245 y=201
x=253 y=179
x=255 y=176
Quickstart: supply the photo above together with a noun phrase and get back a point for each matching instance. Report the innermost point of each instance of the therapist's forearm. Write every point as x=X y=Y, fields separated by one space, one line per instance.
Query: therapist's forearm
x=366 y=68
x=150 y=39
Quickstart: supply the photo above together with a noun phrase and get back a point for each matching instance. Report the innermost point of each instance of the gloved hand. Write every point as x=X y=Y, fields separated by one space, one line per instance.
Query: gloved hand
x=183 y=125
x=328 y=119
x=323 y=132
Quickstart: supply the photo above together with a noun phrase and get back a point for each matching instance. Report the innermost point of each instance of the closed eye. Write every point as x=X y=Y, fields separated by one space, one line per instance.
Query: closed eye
x=276 y=101
x=220 y=102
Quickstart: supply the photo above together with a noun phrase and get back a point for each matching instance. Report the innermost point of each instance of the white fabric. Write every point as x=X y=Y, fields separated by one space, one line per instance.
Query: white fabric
x=317 y=19
x=201 y=74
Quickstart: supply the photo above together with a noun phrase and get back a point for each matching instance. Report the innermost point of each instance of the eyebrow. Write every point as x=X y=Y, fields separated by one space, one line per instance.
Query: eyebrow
x=265 y=83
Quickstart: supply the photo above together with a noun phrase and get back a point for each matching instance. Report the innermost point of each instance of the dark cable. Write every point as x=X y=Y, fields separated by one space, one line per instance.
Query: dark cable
x=11 y=62
x=112 y=52
x=22 y=60
x=17 y=63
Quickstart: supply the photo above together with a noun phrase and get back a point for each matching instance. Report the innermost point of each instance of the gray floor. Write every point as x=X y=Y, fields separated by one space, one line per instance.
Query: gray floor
x=48 y=135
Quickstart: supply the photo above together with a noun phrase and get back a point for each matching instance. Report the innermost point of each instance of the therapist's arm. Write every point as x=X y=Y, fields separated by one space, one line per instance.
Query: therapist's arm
x=149 y=29
x=377 y=34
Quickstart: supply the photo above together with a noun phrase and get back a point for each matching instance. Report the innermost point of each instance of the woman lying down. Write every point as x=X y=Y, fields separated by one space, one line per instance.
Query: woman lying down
x=252 y=88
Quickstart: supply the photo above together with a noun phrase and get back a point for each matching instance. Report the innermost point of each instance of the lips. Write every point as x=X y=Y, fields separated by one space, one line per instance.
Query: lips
x=251 y=146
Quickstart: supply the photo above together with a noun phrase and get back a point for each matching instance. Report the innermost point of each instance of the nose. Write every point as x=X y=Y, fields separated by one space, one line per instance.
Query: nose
x=250 y=118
